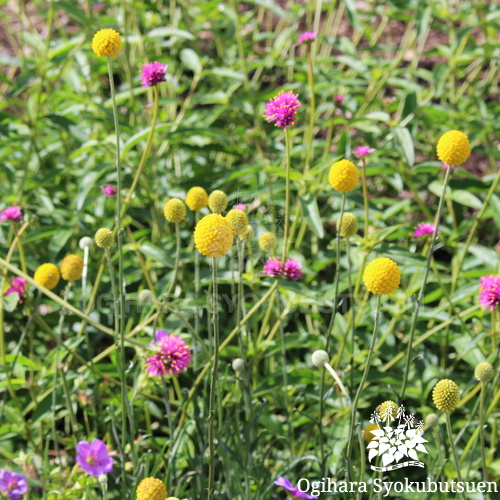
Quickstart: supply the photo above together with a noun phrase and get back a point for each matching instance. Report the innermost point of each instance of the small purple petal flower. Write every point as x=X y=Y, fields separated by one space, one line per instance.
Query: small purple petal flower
x=307 y=37
x=17 y=285
x=424 y=229
x=273 y=267
x=109 y=191
x=12 y=213
x=489 y=293
x=282 y=109
x=240 y=206
x=12 y=484
x=153 y=73
x=292 y=269
x=339 y=99
x=93 y=457
x=294 y=492
x=159 y=335
x=446 y=166
x=173 y=357
x=362 y=151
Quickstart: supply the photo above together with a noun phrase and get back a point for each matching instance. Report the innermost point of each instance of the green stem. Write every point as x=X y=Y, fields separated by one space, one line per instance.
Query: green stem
x=310 y=130
x=287 y=194
x=453 y=449
x=365 y=196
x=481 y=431
x=197 y=294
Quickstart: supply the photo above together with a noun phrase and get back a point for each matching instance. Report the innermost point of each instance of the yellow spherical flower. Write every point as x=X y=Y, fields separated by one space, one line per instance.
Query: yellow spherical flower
x=343 y=176
x=453 y=148
x=72 y=267
x=268 y=241
x=213 y=235
x=349 y=225
x=446 y=395
x=174 y=210
x=217 y=201
x=368 y=432
x=484 y=372
x=151 y=489
x=106 y=43
x=196 y=198
x=47 y=275
x=247 y=234
x=104 y=238
x=382 y=276
x=238 y=220
x=388 y=411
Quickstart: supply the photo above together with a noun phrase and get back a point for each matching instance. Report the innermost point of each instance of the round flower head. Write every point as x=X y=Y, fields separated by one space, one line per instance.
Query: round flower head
x=109 y=191
x=267 y=241
x=213 y=235
x=196 y=198
x=107 y=43
x=282 y=109
x=273 y=267
x=17 y=285
x=47 y=275
x=446 y=395
x=93 y=457
x=12 y=484
x=146 y=296
x=431 y=420
x=151 y=489
x=453 y=148
x=217 y=201
x=238 y=365
x=484 y=372
x=339 y=99
x=349 y=225
x=104 y=238
x=343 y=176
x=320 y=358
x=238 y=220
x=173 y=357
x=153 y=73
x=382 y=276
x=368 y=432
x=424 y=229
x=85 y=242
x=72 y=268
x=174 y=210
x=388 y=411
x=307 y=37
x=489 y=293
x=12 y=213
x=362 y=151
x=292 y=270
x=247 y=234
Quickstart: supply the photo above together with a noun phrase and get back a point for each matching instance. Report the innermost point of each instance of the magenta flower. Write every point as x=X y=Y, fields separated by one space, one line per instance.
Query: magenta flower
x=339 y=99
x=173 y=357
x=12 y=213
x=291 y=489
x=17 y=285
x=446 y=166
x=12 y=484
x=282 y=109
x=489 y=293
x=498 y=247
x=307 y=37
x=273 y=267
x=98 y=6
x=362 y=151
x=292 y=269
x=153 y=73
x=109 y=191
x=240 y=206
x=93 y=457
x=424 y=229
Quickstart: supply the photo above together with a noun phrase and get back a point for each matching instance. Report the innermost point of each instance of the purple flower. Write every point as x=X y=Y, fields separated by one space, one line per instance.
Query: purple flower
x=17 y=285
x=12 y=213
x=93 y=457
x=273 y=267
x=153 y=73
x=445 y=166
x=240 y=206
x=109 y=191
x=282 y=109
x=424 y=229
x=489 y=294
x=292 y=269
x=498 y=247
x=98 y=6
x=362 y=151
x=307 y=37
x=290 y=488
x=339 y=99
x=173 y=357
x=12 y=484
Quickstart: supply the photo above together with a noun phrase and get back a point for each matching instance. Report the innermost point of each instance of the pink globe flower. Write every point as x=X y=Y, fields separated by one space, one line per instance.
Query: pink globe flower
x=12 y=213
x=362 y=151
x=292 y=270
x=153 y=73
x=489 y=293
x=339 y=99
x=12 y=484
x=173 y=357
x=17 y=285
x=240 y=206
x=282 y=109
x=445 y=166
x=424 y=229
x=498 y=247
x=291 y=489
x=93 y=457
x=109 y=191
x=273 y=267
x=307 y=37
x=98 y=6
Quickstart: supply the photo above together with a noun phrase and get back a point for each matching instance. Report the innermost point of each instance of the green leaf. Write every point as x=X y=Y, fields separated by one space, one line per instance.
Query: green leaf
x=311 y=213
x=157 y=254
x=164 y=32
x=191 y=60
x=495 y=205
x=404 y=141
x=466 y=198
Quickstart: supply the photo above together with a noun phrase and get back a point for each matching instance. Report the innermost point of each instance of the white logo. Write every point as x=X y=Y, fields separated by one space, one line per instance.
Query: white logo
x=392 y=445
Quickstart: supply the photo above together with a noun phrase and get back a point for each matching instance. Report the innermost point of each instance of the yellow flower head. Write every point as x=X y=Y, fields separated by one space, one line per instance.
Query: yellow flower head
x=213 y=235
x=106 y=43
x=47 y=275
x=217 y=201
x=238 y=220
x=484 y=372
x=368 y=432
x=72 y=267
x=446 y=395
x=388 y=411
x=382 y=276
x=104 y=238
x=196 y=198
x=174 y=210
x=247 y=234
x=343 y=176
x=151 y=489
x=172 y=498
x=268 y=241
x=349 y=225
x=453 y=148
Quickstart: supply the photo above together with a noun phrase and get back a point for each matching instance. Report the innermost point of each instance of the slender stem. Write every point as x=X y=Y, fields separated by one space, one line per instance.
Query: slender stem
x=310 y=130
x=365 y=196
x=352 y=315
x=287 y=194
x=197 y=294
x=481 y=431
x=422 y=289
x=453 y=449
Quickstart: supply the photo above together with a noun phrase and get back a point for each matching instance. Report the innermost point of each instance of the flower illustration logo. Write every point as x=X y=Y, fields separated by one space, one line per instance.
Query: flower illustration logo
x=393 y=444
